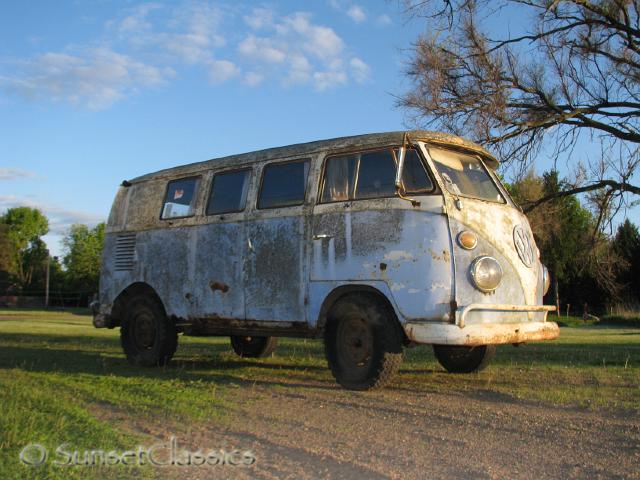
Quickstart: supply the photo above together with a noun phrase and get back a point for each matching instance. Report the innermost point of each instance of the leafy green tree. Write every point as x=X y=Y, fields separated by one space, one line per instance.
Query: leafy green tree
x=83 y=256
x=5 y=259
x=34 y=267
x=579 y=257
x=23 y=227
x=627 y=245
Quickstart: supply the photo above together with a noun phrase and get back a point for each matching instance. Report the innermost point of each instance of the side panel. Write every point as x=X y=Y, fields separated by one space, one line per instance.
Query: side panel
x=275 y=286
x=387 y=240
x=218 y=284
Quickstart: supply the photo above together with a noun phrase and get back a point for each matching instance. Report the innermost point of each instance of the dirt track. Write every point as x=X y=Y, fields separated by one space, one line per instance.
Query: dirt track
x=320 y=431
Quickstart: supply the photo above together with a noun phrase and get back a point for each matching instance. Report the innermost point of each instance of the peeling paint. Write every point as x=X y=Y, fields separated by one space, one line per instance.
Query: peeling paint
x=395 y=255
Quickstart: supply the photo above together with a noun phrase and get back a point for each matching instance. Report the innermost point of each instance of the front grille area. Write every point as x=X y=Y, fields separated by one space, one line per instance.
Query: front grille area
x=125 y=252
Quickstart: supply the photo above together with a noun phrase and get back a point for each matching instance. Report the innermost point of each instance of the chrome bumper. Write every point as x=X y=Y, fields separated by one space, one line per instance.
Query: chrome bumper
x=484 y=333
x=498 y=307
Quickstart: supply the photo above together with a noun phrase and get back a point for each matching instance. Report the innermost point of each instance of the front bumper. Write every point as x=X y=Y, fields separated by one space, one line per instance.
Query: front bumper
x=484 y=333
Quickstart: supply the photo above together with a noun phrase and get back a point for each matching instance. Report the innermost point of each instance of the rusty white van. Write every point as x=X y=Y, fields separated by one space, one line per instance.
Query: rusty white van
x=372 y=242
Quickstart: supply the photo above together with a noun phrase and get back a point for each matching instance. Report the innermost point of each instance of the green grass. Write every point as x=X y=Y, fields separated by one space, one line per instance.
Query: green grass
x=63 y=380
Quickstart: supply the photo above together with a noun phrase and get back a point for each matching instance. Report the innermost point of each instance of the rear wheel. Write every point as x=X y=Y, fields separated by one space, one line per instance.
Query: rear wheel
x=148 y=337
x=253 y=347
x=462 y=359
x=363 y=342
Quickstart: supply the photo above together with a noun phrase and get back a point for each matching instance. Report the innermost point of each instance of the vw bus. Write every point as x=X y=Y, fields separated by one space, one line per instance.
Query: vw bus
x=373 y=243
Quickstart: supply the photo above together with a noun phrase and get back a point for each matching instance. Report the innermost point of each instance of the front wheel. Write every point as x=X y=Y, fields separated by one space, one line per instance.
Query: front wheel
x=253 y=347
x=148 y=337
x=462 y=359
x=363 y=342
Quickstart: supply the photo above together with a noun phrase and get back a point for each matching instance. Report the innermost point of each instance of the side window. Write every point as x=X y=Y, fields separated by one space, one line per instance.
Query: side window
x=414 y=176
x=228 y=192
x=338 y=178
x=376 y=175
x=283 y=184
x=180 y=198
x=372 y=175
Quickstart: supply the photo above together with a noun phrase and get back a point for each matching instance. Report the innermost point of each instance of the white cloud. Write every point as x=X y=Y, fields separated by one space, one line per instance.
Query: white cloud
x=300 y=70
x=60 y=218
x=262 y=49
x=221 y=71
x=137 y=21
x=253 y=79
x=359 y=69
x=325 y=80
x=318 y=40
x=357 y=14
x=199 y=36
x=304 y=52
x=189 y=34
x=94 y=78
x=259 y=18
x=143 y=46
x=15 y=174
x=384 y=20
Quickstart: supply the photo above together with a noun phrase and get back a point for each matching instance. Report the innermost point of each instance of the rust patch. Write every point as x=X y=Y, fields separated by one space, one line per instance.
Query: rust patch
x=223 y=287
x=444 y=257
x=214 y=324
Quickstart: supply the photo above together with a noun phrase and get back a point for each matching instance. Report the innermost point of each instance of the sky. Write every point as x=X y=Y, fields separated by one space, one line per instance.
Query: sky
x=93 y=92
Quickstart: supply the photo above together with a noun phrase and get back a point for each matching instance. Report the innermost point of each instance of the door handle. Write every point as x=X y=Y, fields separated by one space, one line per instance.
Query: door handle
x=322 y=236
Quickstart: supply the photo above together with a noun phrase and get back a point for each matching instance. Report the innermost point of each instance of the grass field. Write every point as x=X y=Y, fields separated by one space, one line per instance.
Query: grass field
x=61 y=380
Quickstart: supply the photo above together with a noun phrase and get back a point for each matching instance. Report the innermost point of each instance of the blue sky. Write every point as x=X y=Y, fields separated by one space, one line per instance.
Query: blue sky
x=93 y=92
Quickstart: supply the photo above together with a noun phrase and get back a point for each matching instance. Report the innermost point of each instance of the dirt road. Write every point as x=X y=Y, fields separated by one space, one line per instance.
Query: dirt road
x=315 y=430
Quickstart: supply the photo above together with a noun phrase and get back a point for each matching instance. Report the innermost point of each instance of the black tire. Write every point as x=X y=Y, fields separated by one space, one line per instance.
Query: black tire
x=363 y=342
x=148 y=337
x=253 y=347
x=462 y=359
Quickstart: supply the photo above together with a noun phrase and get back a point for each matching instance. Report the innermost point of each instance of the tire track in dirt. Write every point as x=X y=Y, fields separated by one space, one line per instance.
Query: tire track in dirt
x=316 y=430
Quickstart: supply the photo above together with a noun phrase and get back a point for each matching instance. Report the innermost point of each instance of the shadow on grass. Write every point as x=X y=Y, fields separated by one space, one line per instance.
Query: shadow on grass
x=208 y=361
x=102 y=356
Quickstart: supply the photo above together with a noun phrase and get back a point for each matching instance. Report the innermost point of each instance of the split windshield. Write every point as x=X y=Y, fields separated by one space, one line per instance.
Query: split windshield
x=465 y=175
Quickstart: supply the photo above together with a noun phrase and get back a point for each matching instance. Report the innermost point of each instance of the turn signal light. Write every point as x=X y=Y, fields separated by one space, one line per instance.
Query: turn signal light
x=467 y=240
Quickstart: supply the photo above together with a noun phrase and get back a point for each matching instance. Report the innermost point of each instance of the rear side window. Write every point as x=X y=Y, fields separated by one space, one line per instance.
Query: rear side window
x=228 y=192
x=283 y=184
x=180 y=200
x=372 y=175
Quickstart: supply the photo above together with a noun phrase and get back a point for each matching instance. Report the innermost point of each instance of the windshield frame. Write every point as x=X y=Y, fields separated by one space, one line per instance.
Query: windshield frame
x=504 y=199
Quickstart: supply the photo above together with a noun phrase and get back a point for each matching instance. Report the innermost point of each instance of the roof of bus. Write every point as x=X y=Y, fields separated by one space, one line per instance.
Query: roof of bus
x=300 y=149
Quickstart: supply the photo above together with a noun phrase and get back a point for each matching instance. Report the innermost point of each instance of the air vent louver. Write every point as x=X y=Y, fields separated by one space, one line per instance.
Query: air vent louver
x=125 y=252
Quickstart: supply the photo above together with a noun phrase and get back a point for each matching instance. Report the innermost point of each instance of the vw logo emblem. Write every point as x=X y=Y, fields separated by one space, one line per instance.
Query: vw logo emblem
x=523 y=245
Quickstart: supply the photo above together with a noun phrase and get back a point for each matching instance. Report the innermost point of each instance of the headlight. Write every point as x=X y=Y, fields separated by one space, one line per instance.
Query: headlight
x=486 y=273
x=546 y=280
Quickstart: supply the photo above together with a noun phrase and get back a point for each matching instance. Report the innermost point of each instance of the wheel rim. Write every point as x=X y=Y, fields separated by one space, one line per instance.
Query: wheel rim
x=354 y=341
x=144 y=332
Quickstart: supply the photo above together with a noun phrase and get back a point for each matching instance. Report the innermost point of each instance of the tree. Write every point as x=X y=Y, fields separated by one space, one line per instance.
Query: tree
x=6 y=259
x=583 y=266
x=574 y=75
x=23 y=228
x=627 y=245
x=83 y=256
